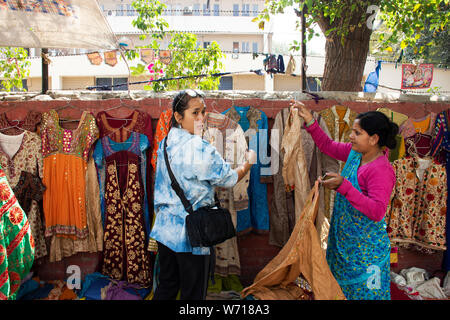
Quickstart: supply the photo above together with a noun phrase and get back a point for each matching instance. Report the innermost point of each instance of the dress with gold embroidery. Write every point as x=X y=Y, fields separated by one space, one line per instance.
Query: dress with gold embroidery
x=124 y=248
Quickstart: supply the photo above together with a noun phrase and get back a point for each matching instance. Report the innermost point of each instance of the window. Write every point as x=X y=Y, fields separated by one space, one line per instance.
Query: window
x=255 y=47
x=255 y=10
x=206 y=10
x=206 y=44
x=119 y=10
x=226 y=83
x=178 y=10
x=196 y=10
x=246 y=10
x=216 y=9
x=245 y=46
x=235 y=10
x=131 y=11
x=15 y=89
x=235 y=54
x=168 y=10
x=187 y=11
x=112 y=81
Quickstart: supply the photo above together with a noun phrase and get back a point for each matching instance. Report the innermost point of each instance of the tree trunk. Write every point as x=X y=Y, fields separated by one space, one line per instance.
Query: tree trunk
x=344 y=63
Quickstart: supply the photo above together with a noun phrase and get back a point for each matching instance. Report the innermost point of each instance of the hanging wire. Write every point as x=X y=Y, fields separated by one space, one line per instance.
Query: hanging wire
x=219 y=74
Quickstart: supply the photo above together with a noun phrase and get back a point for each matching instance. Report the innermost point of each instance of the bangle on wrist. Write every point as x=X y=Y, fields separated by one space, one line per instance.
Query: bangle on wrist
x=310 y=122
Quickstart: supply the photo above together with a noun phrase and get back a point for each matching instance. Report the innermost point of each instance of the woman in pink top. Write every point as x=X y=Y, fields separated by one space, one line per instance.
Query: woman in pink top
x=358 y=248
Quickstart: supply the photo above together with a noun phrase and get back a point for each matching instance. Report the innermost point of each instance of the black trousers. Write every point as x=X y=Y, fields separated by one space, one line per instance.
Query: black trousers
x=182 y=271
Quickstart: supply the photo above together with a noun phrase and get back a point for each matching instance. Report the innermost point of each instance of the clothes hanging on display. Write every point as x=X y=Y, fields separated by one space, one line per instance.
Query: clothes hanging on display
x=125 y=255
x=16 y=242
x=61 y=247
x=417 y=211
x=418 y=144
x=65 y=153
x=301 y=256
x=161 y=131
x=440 y=150
x=20 y=154
x=399 y=118
x=254 y=123
x=339 y=120
x=282 y=213
x=422 y=125
x=229 y=140
x=119 y=130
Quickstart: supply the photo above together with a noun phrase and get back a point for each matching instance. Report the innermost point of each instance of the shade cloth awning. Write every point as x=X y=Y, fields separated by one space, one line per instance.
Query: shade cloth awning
x=54 y=24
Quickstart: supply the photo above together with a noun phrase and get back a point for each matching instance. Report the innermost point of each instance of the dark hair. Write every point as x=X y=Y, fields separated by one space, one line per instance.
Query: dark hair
x=375 y=122
x=181 y=101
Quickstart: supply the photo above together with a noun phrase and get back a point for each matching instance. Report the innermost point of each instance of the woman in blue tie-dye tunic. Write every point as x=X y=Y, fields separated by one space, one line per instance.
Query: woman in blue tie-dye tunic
x=198 y=168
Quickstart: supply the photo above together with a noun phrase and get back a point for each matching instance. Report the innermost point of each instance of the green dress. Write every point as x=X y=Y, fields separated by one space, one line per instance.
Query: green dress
x=16 y=242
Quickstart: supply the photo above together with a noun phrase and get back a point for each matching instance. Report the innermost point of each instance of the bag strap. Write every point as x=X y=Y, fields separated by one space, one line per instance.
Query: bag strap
x=176 y=187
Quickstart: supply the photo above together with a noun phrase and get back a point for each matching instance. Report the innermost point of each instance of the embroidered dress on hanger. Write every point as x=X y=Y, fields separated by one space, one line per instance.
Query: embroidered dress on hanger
x=119 y=130
x=19 y=154
x=125 y=256
x=65 y=154
x=417 y=211
x=255 y=125
x=422 y=125
x=440 y=150
x=229 y=139
x=16 y=242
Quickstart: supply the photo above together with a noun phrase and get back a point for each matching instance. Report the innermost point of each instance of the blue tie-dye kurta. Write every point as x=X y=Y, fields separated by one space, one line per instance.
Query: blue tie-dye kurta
x=198 y=168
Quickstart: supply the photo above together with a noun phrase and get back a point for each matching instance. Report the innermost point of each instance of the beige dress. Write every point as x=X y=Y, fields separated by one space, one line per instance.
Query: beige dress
x=300 y=270
x=229 y=139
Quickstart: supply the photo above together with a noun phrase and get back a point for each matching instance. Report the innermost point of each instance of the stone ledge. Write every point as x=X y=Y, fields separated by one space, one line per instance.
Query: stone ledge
x=229 y=94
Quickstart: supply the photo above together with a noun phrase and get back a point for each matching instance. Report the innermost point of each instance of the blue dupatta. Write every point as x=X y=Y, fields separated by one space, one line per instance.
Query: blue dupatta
x=358 y=250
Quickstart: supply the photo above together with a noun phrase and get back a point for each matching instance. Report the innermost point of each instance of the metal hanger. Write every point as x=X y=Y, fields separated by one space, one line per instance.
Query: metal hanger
x=121 y=104
x=71 y=106
x=16 y=126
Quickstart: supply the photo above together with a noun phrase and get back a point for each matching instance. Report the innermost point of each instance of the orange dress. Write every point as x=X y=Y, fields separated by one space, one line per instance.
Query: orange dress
x=65 y=154
x=162 y=129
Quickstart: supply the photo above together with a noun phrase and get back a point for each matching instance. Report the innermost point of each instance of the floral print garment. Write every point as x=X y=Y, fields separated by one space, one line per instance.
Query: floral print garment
x=26 y=160
x=417 y=211
x=16 y=242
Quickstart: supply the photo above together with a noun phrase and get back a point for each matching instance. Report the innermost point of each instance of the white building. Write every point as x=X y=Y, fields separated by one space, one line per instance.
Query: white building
x=229 y=23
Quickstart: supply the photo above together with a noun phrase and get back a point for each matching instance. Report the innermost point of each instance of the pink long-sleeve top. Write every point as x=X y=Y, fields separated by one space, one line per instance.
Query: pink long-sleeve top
x=376 y=179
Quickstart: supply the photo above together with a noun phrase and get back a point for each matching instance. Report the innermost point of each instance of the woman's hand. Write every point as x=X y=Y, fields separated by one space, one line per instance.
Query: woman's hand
x=303 y=112
x=332 y=180
x=250 y=156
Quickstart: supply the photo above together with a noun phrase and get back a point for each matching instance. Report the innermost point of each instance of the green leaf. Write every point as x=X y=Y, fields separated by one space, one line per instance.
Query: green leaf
x=403 y=44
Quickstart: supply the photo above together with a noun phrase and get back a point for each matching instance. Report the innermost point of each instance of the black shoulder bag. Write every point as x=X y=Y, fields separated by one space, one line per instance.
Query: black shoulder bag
x=207 y=226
